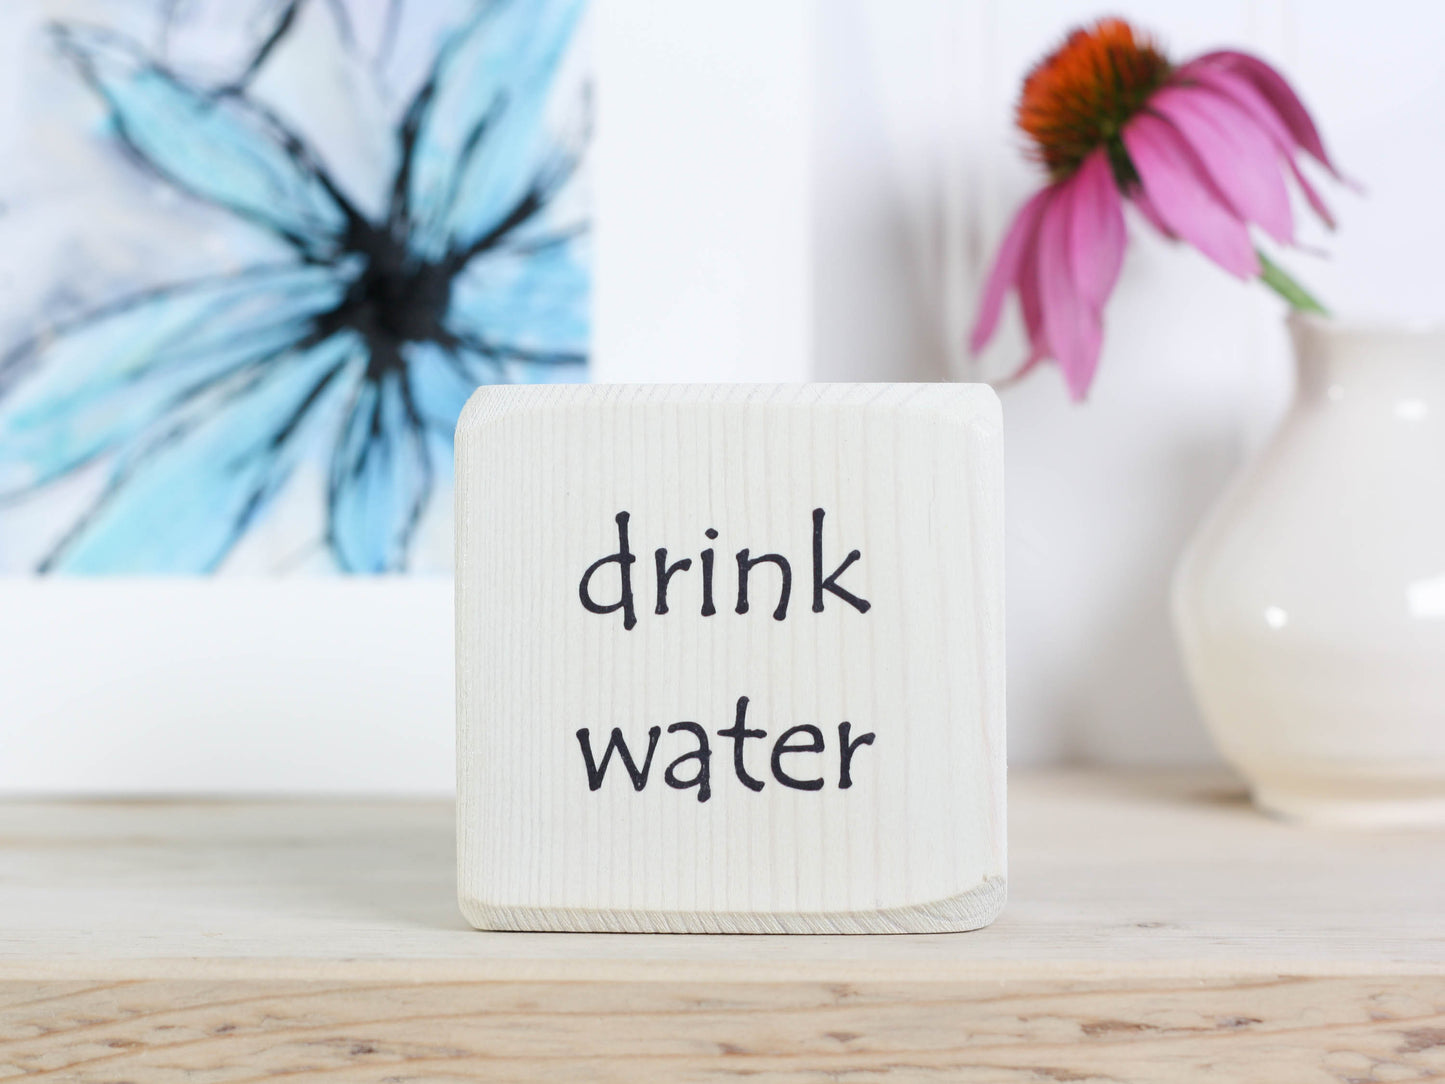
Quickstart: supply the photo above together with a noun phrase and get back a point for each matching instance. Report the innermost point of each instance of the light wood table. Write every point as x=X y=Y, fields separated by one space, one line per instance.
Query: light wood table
x=1158 y=930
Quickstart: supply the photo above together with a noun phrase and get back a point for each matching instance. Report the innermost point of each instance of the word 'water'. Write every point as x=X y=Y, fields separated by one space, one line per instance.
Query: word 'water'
x=697 y=760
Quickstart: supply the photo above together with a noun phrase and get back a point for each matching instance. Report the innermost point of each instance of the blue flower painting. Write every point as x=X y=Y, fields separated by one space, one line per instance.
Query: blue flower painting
x=293 y=408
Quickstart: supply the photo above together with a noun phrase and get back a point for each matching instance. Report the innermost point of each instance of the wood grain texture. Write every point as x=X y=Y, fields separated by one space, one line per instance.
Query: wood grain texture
x=1158 y=930
x=1278 y=1030
x=660 y=565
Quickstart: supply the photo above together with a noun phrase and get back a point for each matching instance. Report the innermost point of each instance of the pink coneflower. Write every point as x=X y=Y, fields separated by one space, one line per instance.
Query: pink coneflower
x=1201 y=150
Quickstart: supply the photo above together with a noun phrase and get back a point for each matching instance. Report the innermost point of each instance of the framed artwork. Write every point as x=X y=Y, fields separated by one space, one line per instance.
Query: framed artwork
x=255 y=255
x=258 y=254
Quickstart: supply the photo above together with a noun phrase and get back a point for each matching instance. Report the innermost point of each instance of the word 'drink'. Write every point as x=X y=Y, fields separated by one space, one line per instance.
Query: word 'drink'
x=730 y=658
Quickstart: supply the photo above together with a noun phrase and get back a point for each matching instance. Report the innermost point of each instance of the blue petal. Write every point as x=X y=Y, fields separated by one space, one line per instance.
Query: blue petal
x=442 y=379
x=528 y=305
x=219 y=147
x=99 y=382
x=181 y=503
x=482 y=150
x=381 y=477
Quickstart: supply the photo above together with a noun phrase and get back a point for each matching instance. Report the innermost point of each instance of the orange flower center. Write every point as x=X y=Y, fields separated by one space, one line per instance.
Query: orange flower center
x=1079 y=97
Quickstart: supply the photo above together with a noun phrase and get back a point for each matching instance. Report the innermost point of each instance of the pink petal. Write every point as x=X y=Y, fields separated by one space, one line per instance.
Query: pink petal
x=1241 y=92
x=1033 y=310
x=1033 y=320
x=1185 y=199
x=1140 y=199
x=1279 y=94
x=1097 y=229
x=1032 y=306
x=1016 y=244
x=1310 y=194
x=1239 y=156
x=1071 y=324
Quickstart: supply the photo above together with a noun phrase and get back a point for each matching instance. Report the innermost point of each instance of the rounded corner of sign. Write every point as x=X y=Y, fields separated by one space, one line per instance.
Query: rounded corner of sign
x=482 y=406
x=984 y=419
x=975 y=409
x=490 y=403
x=972 y=909
x=500 y=918
x=477 y=914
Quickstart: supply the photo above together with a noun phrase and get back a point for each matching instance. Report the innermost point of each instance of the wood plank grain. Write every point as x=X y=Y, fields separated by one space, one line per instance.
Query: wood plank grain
x=1158 y=930
x=1278 y=1029
x=1113 y=874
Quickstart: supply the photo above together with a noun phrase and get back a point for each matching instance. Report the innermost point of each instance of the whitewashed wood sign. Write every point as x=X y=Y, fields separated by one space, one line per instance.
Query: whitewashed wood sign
x=730 y=658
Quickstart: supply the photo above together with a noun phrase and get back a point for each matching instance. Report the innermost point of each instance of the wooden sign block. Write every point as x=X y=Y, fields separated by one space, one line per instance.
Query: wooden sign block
x=730 y=658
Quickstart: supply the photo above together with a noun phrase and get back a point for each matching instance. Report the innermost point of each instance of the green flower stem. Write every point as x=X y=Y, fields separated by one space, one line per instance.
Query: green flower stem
x=1281 y=283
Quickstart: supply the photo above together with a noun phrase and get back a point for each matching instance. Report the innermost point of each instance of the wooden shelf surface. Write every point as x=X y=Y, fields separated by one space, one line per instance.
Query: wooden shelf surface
x=1157 y=929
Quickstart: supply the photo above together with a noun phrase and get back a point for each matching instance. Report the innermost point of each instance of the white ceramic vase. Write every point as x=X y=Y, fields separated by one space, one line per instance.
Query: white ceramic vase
x=1310 y=607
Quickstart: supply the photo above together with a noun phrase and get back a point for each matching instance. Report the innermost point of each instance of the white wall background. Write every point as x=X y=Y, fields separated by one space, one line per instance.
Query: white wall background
x=810 y=189
x=914 y=169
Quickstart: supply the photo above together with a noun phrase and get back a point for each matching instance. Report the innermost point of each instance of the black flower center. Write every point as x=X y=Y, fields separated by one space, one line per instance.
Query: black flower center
x=395 y=299
x=406 y=303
